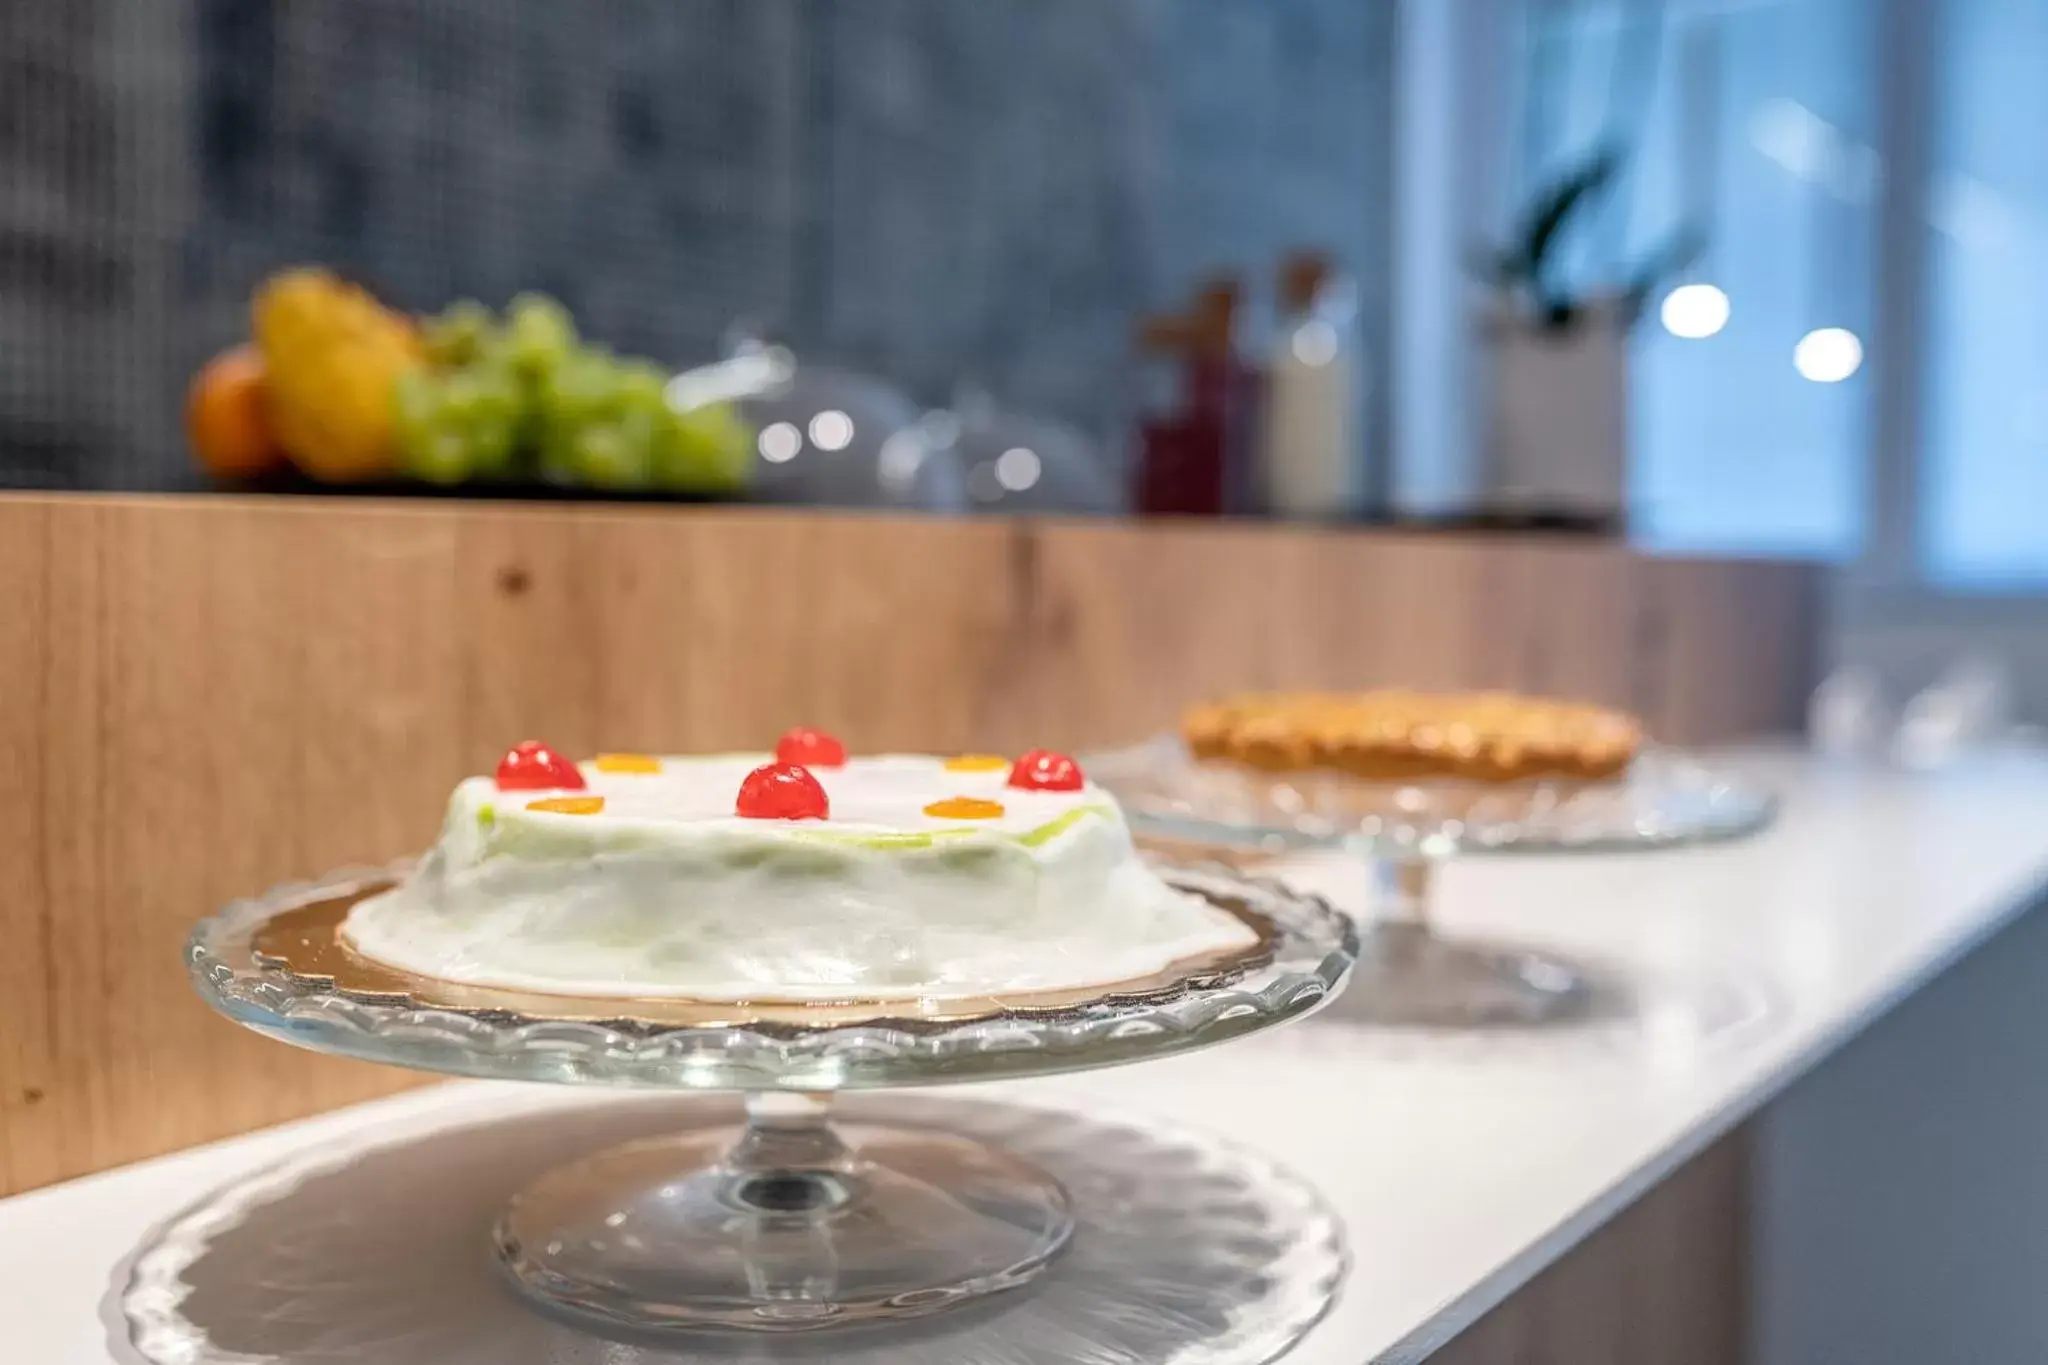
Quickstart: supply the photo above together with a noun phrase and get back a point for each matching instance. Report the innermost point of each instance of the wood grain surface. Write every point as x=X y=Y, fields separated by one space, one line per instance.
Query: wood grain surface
x=204 y=696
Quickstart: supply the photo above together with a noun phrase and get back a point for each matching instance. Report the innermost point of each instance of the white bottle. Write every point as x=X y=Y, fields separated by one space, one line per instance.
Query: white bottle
x=1309 y=454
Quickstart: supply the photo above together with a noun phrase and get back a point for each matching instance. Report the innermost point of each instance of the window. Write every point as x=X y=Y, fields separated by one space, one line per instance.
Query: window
x=1753 y=119
x=1983 y=523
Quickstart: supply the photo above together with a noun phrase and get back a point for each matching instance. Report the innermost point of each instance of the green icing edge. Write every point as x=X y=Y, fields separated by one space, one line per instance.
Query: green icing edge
x=1053 y=829
x=819 y=836
x=1030 y=838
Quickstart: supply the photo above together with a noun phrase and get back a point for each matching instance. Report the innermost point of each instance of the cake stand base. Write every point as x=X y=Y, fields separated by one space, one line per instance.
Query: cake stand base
x=791 y=1225
x=1411 y=976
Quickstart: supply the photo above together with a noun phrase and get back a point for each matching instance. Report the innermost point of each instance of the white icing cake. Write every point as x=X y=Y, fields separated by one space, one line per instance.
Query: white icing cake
x=666 y=892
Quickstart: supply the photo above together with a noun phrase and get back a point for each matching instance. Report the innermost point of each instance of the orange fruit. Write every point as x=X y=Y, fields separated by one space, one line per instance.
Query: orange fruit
x=225 y=417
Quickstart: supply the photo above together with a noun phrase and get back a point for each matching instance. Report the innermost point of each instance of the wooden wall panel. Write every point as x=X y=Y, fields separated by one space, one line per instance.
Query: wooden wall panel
x=1728 y=649
x=29 y=1062
x=201 y=697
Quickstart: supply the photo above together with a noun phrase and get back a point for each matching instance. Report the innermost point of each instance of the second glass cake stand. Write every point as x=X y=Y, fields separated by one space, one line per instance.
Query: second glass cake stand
x=1410 y=974
x=792 y=1222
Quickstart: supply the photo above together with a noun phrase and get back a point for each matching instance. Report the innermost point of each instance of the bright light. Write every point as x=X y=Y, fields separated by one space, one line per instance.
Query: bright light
x=1973 y=213
x=780 y=443
x=1828 y=355
x=1694 y=311
x=831 y=430
x=1809 y=147
x=1792 y=135
x=1018 y=469
x=1315 y=343
x=899 y=459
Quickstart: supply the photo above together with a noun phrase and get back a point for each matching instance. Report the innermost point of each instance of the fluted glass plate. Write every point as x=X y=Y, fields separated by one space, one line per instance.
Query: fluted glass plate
x=1187 y=1251
x=1312 y=949
x=1667 y=798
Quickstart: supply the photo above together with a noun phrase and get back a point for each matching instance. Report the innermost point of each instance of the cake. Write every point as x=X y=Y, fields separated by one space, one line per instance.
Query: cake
x=1392 y=736
x=802 y=876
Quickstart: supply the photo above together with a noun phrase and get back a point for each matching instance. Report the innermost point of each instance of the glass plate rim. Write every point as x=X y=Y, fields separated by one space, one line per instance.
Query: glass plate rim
x=1315 y=948
x=1751 y=808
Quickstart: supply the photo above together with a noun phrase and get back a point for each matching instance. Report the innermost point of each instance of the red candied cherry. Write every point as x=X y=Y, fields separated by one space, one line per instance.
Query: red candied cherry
x=534 y=767
x=781 y=791
x=811 y=748
x=1042 y=770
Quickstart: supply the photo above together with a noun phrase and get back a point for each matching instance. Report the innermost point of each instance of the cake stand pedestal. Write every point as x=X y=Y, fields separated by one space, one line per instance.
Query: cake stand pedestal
x=1409 y=973
x=1422 y=978
x=791 y=1223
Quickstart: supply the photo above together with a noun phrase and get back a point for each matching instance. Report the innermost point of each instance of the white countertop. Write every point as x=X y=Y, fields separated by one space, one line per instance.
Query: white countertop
x=1461 y=1167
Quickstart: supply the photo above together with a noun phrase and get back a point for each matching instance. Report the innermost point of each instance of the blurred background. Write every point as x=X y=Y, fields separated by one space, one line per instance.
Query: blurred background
x=929 y=194
x=1728 y=277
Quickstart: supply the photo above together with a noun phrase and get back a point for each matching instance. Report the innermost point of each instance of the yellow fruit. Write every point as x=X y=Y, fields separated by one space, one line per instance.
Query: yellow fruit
x=332 y=355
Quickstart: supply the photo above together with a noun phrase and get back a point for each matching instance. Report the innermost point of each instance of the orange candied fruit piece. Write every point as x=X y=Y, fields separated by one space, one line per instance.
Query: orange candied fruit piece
x=626 y=763
x=964 y=808
x=569 y=805
x=977 y=763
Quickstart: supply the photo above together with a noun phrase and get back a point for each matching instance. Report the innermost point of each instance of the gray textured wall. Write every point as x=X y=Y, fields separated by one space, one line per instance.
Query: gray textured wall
x=934 y=189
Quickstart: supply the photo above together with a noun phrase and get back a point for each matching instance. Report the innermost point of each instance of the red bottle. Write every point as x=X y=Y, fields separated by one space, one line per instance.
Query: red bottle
x=1191 y=462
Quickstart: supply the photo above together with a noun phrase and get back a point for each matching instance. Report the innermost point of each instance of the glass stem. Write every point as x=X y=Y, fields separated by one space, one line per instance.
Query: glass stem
x=788 y=1131
x=1402 y=889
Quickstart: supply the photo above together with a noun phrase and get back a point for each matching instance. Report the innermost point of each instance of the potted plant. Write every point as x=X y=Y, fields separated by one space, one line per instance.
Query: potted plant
x=1557 y=415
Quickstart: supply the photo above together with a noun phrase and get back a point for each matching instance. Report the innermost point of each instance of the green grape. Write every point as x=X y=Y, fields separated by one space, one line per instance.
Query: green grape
x=602 y=374
x=707 y=449
x=462 y=398
x=496 y=353
x=553 y=402
x=500 y=397
x=493 y=444
x=459 y=334
x=595 y=384
x=557 y=452
x=505 y=419
x=540 y=334
x=642 y=430
x=722 y=428
x=430 y=446
x=464 y=424
x=606 y=458
x=443 y=457
x=675 y=461
x=415 y=403
x=578 y=392
x=642 y=386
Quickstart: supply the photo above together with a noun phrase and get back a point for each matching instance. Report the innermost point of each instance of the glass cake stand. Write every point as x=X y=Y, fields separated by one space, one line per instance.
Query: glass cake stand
x=1410 y=974
x=792 y=1222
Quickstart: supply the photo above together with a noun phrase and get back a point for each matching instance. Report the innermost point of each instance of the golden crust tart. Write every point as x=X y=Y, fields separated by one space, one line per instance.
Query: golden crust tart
x=1398 y=736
